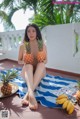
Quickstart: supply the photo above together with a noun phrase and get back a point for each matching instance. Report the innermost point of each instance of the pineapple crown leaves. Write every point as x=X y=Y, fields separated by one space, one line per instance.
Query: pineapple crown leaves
x=40 y=45
x=27 y=46
x=9 y=75
x=79 y=85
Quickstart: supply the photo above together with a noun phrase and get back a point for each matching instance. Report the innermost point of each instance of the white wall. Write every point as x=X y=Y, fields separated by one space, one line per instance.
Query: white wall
x=61 y=47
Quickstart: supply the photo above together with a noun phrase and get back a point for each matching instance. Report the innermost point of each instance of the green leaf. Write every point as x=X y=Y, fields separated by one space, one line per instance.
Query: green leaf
x=79 y=85
x=8 y=76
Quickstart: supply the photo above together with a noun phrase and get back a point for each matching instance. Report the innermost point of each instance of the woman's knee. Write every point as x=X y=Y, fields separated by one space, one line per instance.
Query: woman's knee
x=29 y=67
x=41 y=64
x=26 y=68
x=41 y=67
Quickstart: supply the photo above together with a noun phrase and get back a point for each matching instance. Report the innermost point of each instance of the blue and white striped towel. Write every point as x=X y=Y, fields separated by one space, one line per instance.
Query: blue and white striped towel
x=49 y=88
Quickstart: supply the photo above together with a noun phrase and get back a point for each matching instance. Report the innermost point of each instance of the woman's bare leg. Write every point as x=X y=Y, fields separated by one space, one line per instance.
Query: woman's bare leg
x=29 y=97
x=27 y=74
x=40 y=72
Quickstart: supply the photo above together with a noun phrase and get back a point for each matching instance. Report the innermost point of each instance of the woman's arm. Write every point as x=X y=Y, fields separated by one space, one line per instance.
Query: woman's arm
x=20 y=55
x=45 y=50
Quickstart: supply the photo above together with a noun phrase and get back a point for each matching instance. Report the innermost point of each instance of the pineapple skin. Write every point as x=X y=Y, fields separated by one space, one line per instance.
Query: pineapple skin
x=41 y=56
x=28 y=58
x=6 y=89
x=78 y=97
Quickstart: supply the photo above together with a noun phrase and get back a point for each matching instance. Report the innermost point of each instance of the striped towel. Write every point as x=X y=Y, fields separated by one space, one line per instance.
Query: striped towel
x=48 y=89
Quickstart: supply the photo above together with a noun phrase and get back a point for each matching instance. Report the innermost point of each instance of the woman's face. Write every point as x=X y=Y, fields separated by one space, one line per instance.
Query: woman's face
x=31 y=32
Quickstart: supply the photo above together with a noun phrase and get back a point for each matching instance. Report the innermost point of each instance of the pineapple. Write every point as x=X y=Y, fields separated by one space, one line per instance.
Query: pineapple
x=28 y=57
x=6 y=88
x=78 y=94
x=41 y=56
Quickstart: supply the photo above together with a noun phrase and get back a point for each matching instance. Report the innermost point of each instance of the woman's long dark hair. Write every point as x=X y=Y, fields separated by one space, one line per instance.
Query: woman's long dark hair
x=38 y=37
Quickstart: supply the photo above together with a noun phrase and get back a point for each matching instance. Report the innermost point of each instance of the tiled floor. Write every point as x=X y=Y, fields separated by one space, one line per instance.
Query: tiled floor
x=13 y=103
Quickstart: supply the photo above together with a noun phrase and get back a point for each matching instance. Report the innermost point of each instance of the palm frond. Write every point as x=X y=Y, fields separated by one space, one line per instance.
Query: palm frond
x=6 y=20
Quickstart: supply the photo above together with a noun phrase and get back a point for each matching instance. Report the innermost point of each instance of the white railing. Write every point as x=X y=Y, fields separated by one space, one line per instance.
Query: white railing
x=10 y=43
x=61 y=46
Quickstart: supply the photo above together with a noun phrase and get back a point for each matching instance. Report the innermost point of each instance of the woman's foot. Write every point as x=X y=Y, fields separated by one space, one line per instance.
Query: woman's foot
x=33 y=105
x=25 y=100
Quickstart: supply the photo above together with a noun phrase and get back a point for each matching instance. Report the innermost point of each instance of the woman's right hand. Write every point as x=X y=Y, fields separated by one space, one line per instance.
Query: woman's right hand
x=21 y=62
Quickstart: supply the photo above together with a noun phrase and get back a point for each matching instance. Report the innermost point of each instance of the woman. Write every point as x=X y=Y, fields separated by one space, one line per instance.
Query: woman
x=32 y=72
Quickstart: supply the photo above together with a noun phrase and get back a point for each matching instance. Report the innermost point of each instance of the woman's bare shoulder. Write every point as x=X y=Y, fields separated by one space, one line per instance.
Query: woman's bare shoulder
x=44 y=44
x=22 y=45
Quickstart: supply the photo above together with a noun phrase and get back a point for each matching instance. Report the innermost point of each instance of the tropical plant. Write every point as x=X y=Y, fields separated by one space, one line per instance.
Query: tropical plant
x=76 y=42
x=9 y=7
x=56 y=13
x=45 y=13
